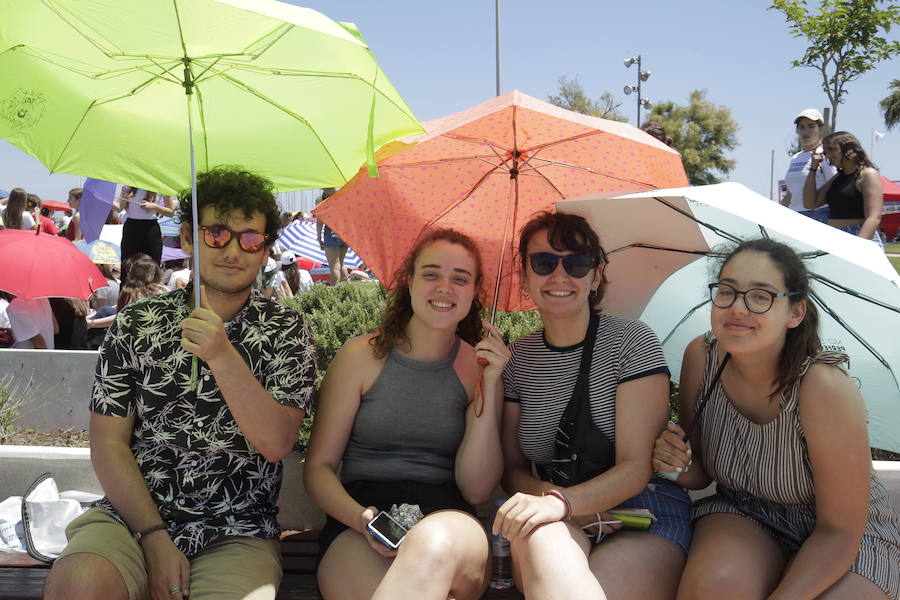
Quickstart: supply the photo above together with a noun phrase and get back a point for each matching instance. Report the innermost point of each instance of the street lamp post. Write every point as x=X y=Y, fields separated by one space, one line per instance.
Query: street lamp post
x=641 y=76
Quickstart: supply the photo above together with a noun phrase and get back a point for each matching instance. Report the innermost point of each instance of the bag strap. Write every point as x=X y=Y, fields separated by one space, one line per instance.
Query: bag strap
x=26 y=522
x=580 y=394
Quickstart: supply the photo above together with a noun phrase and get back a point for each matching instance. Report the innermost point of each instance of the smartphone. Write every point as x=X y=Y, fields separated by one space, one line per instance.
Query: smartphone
x=386 y=530
x=633 y=518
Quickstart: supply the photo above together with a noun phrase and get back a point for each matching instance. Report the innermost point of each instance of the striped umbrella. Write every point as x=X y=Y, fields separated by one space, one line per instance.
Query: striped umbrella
x=300 y=237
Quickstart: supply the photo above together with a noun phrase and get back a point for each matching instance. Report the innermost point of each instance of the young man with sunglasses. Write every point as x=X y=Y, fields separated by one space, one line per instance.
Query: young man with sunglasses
x=191 y=463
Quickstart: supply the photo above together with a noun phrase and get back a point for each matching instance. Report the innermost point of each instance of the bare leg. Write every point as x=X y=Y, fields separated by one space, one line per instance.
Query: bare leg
x=335 y=263
x=634 y=564
x=854 y=586
x=552 y=562
x=84 y=577
x=350 y=569
x=731 y=557
x=345 y=274
x=446 y=553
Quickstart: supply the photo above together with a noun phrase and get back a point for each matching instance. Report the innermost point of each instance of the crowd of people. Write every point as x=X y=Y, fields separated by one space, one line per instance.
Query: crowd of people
x=74 y=324
x=194 y=407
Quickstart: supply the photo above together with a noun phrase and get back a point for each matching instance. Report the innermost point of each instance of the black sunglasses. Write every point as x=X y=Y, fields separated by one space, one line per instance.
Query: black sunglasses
x=219 y=236
x=576 y=265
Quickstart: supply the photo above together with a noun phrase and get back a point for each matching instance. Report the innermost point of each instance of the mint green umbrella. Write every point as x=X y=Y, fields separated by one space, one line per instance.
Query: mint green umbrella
x=141 y=91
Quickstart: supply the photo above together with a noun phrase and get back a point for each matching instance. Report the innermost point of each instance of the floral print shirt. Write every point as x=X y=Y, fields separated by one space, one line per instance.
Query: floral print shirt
x=205 y=477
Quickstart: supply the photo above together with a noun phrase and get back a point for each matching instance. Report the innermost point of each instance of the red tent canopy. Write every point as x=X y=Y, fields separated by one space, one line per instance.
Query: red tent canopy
x=890 y=219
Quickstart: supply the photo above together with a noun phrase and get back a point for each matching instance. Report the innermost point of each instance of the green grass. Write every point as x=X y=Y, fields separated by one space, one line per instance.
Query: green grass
x=892 y=248
x=896 y=262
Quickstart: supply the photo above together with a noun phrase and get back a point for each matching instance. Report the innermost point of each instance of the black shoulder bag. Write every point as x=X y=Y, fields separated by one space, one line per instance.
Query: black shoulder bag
x=581 y=450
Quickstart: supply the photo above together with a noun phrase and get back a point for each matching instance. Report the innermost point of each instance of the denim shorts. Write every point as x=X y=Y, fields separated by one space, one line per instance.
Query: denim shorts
x=671 y=506
x=818 y=214
x=330 y=240
x=854 y=230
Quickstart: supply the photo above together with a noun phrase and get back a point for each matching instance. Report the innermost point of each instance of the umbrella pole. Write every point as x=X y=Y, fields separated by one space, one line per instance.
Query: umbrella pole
x=195 y=211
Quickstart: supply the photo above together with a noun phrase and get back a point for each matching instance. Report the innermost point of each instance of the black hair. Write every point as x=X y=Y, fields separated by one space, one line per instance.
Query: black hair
x=229 y=188
x=567 y=232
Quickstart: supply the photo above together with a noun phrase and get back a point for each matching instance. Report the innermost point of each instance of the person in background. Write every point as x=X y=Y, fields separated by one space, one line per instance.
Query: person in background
x=107 y=295
x=797 y=510
x=70 y=315
x=399 y=414
x=143 y=279
x=855 y=195
x=180 y=275
x=290 y=271
x=15 y=215
x=73 y=229
x=32 y=322
x=141 y=233
x=46 y=223
x=810 y=128
x=657 y=131
x=334 y=247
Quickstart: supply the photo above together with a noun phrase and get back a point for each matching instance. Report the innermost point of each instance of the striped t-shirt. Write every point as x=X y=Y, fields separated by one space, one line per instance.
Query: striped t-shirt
x=542 y=379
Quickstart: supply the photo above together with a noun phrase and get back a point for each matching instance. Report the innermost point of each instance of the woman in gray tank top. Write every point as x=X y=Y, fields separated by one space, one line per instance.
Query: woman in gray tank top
x=396 y=413
x=798 y=511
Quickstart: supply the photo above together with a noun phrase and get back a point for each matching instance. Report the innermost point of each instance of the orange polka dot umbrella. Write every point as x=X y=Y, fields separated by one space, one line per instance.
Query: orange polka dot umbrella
x=484 y=171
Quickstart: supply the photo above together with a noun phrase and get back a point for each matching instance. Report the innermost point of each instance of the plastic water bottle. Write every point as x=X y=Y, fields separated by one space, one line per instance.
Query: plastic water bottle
x=501 y=567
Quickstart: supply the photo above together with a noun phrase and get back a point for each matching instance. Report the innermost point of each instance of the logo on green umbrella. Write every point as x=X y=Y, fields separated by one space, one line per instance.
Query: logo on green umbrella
x=24 y=109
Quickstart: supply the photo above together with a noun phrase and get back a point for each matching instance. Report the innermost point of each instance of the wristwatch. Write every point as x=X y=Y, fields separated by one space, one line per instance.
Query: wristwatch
x=139 y=535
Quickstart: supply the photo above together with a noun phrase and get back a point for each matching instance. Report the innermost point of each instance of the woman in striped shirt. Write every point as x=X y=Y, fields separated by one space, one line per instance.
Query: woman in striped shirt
x=625 y=389
x=798 y=512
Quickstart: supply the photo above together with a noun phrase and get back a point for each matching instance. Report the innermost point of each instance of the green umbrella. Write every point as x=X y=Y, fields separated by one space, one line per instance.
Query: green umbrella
x=141 y=91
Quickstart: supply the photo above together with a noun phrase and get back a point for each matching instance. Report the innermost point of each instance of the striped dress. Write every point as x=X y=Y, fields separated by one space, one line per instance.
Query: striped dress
x=762 y=471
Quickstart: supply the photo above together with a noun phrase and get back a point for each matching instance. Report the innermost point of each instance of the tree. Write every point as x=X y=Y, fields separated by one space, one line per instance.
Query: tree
x=703 y=133
x=572 y=97
x=891 y=105
x=844 y=40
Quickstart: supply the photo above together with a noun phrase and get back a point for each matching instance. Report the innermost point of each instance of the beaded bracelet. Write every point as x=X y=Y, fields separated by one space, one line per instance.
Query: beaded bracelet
x=559 y=494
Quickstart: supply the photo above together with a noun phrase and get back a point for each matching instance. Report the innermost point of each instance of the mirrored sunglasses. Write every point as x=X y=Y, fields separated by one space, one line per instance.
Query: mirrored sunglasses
x=218 y=236
x=576 y=265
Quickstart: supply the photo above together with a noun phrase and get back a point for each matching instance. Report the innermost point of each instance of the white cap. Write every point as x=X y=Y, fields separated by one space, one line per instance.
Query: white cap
x=288 y=258
x=811 y=114
x=271 y=265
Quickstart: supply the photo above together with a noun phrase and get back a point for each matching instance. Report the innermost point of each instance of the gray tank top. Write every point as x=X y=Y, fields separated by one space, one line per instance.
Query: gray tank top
x=410 y=423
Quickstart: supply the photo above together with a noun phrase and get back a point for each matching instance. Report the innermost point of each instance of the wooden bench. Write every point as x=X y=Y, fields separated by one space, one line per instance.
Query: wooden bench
x=22 y=577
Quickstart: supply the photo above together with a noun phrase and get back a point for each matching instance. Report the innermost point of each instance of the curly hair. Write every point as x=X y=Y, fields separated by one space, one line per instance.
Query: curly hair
x=802 y=341
x=228 y=188
x=567 y=232
x=399 y=310
x=142 y=279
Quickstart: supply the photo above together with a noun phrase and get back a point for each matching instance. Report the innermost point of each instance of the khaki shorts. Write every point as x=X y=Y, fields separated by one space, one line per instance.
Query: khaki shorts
x=237 y=567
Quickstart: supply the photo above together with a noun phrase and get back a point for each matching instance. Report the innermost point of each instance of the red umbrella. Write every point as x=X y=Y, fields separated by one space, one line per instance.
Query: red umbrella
x=484 y=171
x=55 y=205
x=40 y=265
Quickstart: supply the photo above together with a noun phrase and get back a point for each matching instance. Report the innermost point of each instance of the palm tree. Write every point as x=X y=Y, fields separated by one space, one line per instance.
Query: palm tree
x=891 y=105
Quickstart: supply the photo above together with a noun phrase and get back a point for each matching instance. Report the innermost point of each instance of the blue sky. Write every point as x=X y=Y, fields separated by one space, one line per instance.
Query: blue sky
x=440 y=56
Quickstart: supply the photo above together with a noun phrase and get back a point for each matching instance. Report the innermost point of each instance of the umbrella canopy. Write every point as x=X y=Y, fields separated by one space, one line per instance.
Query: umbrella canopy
x=485 y=171
x=300 y=237
x=105 y=89
x=657 y=272
x=54 y=205
x=40 y=265
x=101 y=252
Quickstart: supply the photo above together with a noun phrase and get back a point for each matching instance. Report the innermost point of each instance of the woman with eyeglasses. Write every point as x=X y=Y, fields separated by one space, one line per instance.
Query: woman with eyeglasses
x=564 y=542
x=798 y=512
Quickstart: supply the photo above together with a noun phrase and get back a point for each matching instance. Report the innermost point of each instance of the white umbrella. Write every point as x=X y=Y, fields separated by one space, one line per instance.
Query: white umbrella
x=657 y=242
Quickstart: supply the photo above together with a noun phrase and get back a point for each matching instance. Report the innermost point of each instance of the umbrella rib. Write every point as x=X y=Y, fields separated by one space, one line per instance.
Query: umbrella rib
x=592 y=171
x=711 y=227
x=851 y=292
x=684 y=319
x=458 y=201
x=664 y=249
x=818 y=300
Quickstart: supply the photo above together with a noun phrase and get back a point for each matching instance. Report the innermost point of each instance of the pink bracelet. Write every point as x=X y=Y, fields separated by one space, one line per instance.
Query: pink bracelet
x=559 y=494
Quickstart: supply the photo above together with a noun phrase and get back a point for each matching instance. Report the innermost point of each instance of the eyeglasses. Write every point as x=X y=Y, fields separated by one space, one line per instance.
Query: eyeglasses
x=218 y=236
x=756 y=300
x=576 y=265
